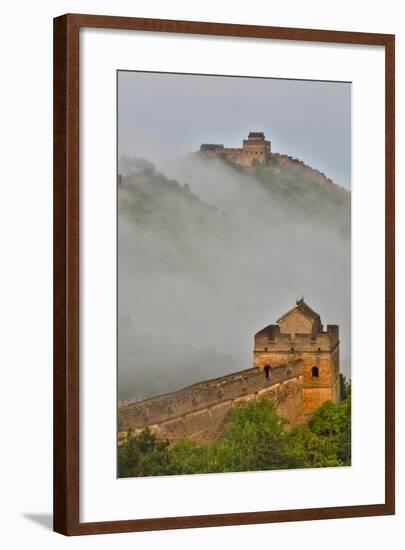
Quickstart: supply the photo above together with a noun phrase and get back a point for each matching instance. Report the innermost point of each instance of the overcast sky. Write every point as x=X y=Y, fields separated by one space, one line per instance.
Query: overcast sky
x=162 y=116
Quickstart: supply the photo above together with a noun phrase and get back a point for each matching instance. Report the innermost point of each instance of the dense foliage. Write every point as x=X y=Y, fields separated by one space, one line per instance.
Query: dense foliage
x=164 y=207
x=255 y=438
x=301 y=193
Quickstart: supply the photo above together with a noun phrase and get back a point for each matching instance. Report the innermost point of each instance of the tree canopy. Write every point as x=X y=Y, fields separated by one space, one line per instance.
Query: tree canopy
x=256 y=437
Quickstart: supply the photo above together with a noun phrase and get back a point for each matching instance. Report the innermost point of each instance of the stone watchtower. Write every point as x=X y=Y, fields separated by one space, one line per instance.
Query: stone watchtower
x=299 y=334
x=255 y=148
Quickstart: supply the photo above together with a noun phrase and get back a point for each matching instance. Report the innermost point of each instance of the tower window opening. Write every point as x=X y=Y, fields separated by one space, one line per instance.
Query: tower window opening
x=315 y=372
x=267 y=371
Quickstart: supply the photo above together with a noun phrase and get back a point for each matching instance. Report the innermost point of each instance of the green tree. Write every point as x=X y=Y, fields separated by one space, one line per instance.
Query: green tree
x=256 y=437
x=271 y=159
x=144 y=455
x=308 y=450
x=190 y=458
x=253 y=438
x=345 y=387
x=332 y=421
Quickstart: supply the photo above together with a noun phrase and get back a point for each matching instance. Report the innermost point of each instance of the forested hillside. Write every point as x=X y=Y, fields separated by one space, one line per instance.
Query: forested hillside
x=255 y=438
x=206 y=259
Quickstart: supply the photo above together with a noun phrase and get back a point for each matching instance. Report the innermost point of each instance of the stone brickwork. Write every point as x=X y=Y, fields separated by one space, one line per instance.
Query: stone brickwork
x=255 y=149
x=299 y=335
x=200 y=411
x=295 y=364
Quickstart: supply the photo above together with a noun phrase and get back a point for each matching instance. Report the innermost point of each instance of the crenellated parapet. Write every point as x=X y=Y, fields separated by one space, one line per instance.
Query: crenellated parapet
x=296 y=365
x=199 y=411
x=272 y=339
x=255 y=149
x=299 y=334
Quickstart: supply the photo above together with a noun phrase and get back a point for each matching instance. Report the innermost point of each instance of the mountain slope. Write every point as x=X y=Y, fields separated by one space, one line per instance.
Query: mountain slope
x=202 y=266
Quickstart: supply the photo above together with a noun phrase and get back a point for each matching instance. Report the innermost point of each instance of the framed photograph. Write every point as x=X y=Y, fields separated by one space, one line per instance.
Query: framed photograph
x=223 y=274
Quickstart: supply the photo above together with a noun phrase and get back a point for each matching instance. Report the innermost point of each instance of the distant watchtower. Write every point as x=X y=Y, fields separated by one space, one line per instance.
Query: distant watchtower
x=299 y=334
x=255 y=147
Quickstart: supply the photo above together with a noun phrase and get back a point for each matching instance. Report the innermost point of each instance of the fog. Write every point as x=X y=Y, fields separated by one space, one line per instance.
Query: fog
x=198 y=278
x=166 y=114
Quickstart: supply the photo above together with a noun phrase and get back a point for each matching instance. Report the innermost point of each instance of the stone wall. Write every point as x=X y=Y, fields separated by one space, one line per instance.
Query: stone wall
x=318 y=351
x=255 y=148
x=324 y=386
x=296 y=322
x=200 y=411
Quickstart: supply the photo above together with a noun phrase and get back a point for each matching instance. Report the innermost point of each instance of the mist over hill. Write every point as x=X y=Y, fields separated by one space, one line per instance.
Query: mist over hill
x=209 y=253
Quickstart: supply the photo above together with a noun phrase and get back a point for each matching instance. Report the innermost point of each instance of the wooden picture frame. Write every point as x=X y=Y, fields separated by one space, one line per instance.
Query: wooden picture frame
x=67 y=284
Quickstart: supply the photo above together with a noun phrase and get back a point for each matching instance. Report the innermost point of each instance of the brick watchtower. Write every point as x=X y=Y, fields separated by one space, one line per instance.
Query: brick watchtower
x=255 y=148
x=299 y=334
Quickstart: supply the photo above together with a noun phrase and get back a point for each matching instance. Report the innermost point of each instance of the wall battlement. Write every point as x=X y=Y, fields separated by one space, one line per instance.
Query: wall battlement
x=258 y=149
x=295 y=365
x=299 y=334
x=271 y=337
x=199 y=411
x=255 y=149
